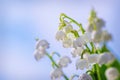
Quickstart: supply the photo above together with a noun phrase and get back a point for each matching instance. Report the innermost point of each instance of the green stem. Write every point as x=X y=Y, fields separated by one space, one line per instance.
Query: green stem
x=98 y=71
x=52 y=60
x=92 y=45
x=80 y=25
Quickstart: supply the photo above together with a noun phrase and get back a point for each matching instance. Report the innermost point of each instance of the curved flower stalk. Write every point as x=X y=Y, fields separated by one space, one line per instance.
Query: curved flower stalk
x=57 y=73
x=87 y=45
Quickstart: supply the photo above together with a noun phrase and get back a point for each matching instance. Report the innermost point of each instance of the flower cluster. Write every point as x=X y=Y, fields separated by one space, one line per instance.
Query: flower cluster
x=90 y=59
x=40 y=52
x=41 y=46
x=95 y=27
x=87 y=45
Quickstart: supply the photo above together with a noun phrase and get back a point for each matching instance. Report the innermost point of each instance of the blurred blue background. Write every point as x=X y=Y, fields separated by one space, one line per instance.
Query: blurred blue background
x=21 y=21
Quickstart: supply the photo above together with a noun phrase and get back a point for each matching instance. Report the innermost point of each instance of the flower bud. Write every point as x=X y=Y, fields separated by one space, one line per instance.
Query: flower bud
x=112 y=73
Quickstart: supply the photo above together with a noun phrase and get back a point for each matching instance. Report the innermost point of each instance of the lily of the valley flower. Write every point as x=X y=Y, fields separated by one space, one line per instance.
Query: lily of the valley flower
x=87 y=37
x=93 y=58
x=89 y=28
x=77 y=51
x=42 y=43
x=39 y=53
x=85 y=77
x=41 y=46
x=106 y=36
x=79 y=42
x=96 y=36
x=99 y=23
x=60 y=35
x=112 y=73
x=82 y=64
x=68 y=27
x=105 y=58
x=64 y=61
x=56 y=74
x=82 y=40
x=67 y=43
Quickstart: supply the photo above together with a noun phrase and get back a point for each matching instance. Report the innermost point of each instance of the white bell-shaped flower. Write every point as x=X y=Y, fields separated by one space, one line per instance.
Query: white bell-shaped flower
x=96 y=36
x=85 y=77
x=87 y=37
x=105 y=58
x=64 y=61
x=93 y=58
x=82 y=64
x=60 y=35
x=89 y=28
x=67 y=43
x=112 y=73
x=42 y=43
x=79 y=42
x=68 y=27
x=56 y=74
x=39 y=53
x=71 y=36
x=77 y=51
x=85 y=55
x=100 y=23
x=106 y=36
